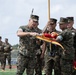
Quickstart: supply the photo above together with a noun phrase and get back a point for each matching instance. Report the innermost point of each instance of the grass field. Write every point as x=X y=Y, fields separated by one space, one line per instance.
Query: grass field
x=10 y=72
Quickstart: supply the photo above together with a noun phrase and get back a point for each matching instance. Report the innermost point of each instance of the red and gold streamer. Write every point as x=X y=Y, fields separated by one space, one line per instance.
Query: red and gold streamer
x=49 y=40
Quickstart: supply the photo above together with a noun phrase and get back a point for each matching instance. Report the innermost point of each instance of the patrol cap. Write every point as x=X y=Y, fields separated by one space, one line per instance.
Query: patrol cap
x=63 y=20
x=70 y=19
x=0 y=37
x=53 y=20
x=6 y=38
x=34 y=17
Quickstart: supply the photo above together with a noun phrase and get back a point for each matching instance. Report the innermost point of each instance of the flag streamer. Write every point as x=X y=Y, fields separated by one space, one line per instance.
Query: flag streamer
x=49 y=40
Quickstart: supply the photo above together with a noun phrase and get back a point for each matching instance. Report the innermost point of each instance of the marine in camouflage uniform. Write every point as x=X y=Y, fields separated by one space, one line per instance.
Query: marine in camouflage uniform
x=7 y=53
x=1 y=53
x=52 y=56
x=66 y=39
x=28 y=46
x=70 y=26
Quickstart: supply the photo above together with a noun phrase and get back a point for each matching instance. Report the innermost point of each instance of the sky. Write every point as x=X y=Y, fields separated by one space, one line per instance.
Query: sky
x=15 y=13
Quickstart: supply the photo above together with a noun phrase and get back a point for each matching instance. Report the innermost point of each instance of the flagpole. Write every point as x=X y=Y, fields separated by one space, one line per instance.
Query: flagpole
x=48 y=16
x=48 y=9
x=49 y=19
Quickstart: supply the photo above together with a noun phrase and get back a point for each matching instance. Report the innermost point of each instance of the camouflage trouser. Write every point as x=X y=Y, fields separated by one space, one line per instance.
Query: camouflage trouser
x=2 y=60
x=27 y=63
x=52 y=64
x=74 y=72
x=38 y=67
x=66 y=67
x=8 y=57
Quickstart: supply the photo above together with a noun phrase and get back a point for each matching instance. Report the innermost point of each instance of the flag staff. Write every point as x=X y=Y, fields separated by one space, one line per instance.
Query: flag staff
x=49 y=19
x=44 y=29
x=48 y=9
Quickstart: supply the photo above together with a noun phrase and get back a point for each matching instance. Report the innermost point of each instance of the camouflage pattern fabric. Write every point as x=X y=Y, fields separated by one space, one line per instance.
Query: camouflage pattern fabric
x=74 y=30
x=68 y=57
x=7 y=54
x=67 y=43
x=7 y=48
x=75 y=44
x=2 y=54
x=1 y=46
x=38 y=66
x=8 y=57
x=27 y=53
x=25 y=62
x=27 y=43
x=66 y=67
x=52 y=59
x=2 y=60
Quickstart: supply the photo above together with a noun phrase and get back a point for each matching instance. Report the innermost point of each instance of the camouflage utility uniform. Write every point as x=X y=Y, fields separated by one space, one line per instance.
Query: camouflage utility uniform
x=7 y=54
x=52 y=59
x=68 y=56
x=27 y=53
x=38 y=67
x=1 y=54
x=74 y=30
